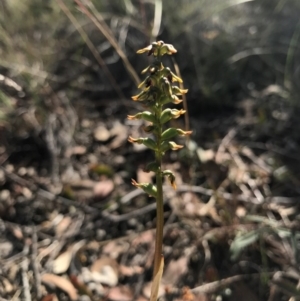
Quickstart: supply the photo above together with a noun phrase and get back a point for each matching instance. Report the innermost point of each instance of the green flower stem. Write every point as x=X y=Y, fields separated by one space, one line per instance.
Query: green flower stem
x=159 y=199
x=159 y=221
x=157 y=91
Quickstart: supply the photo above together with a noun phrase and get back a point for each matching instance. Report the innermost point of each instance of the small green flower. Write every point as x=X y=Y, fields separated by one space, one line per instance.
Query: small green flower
x=170 y=176
x=149 y=188
x=141 y=96
x=176 y=90
x=170 y=75
x=169 y=114
x=146 y=115
x=172 y=132
x=166 y=87
x=146 y=141
x=153 y=67
x=166 y=145
x=158 y=49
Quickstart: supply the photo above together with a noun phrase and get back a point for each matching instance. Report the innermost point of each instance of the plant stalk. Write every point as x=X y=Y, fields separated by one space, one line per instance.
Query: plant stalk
x=159 y=219
x=159 y=199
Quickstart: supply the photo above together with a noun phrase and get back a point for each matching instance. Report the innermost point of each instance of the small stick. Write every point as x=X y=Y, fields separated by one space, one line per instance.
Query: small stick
x=26 y=288
x=35 y=263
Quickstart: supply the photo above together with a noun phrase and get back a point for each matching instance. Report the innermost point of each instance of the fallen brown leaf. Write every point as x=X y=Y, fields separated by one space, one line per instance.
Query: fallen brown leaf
x=101 y=133
x=120 y=293
x=130 y=270
x=103 y=188
x=62 y=262
x=105 y=270
x=120 y=131
x=63 y=225
x=115 y=248
x=50 y=297
x=146 y=237
x=175 y=269
x=62 y=283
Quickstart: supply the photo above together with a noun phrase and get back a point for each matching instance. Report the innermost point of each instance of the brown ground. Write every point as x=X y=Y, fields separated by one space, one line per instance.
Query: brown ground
x=73 y=228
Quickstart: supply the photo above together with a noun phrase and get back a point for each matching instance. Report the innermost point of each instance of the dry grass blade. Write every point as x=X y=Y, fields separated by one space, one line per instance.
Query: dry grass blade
x=97 y=19
x=91 y=46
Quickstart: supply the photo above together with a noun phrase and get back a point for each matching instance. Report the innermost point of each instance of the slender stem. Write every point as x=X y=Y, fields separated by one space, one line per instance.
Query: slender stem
x=159 y=199
x=159 y=218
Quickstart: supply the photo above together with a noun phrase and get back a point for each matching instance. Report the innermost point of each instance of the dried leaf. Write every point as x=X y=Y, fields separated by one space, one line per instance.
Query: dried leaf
x=8 y=287
x=101 y=133
x=145 y=237
x=103 y=188
x=120 y=293
x=120 y=132
x=62 y=283
x=17 y=231
x=81 y=287
x=62 y=262
x=103 y=261
x=115 y=248
x=50 y=297
x=105 y=270
x=6 y=248
x=130 y=271
x=205 y=155
x=63 y=225
x=143 y=177
x=175 y=270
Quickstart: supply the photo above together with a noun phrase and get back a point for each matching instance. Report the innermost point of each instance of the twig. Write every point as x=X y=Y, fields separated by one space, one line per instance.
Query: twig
x=126 y=216
x=15 y=257
x=26 y=288
x=34 y=259
x=16 y=295
x=212 y=287
x=225 y=141
x=49 y=195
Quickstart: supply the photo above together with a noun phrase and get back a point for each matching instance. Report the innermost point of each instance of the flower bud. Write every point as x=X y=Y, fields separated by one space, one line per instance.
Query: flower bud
x=141 y=96
x=170 y=75
x=169 y=114
x=166 y=86
x=166 y=115
x=170 y=176
x=146 y=141
x=166 y=145
x=146 y=115
x=169 y=133
x=176 y=90
x=172 y=132
x=176 y=100
x=149 y=188
x=154 y=67
x=148 y=48
x=166 y=49
x=184 y=133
